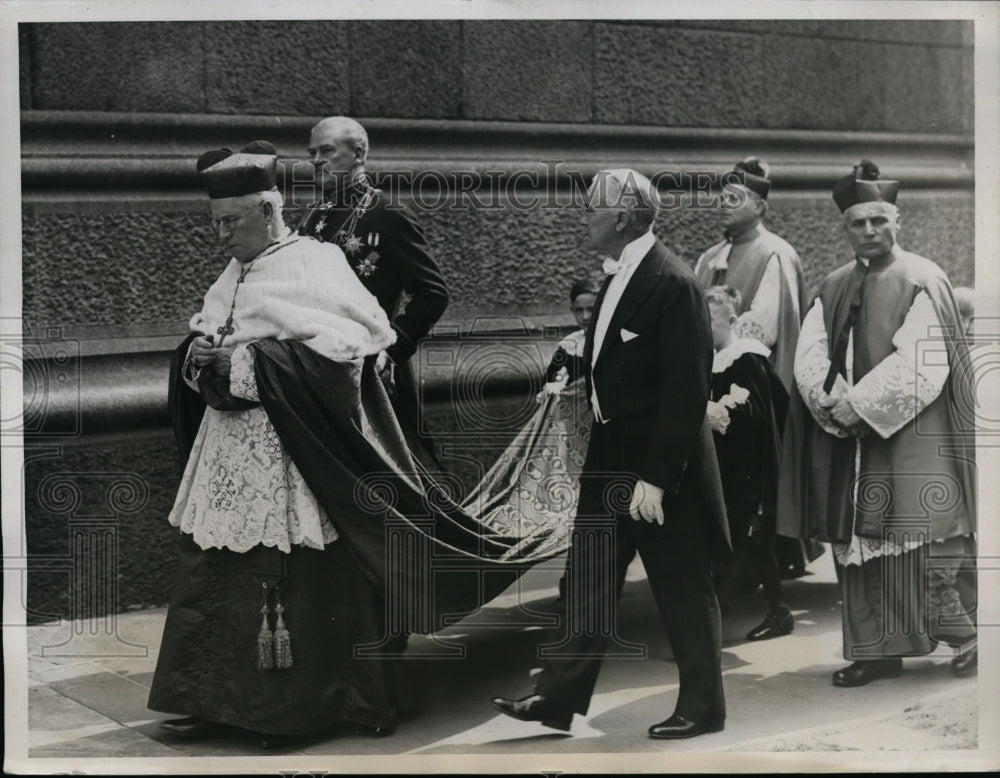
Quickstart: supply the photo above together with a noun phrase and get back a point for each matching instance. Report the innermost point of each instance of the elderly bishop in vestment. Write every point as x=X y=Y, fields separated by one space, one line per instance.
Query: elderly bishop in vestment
x=268 y=603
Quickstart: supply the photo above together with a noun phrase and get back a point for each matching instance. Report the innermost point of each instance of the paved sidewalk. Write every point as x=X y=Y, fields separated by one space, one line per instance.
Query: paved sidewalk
x=87 y=695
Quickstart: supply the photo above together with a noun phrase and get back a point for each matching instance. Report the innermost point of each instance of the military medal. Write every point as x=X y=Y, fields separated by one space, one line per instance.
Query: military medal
x=367 y=265
x=351 y=243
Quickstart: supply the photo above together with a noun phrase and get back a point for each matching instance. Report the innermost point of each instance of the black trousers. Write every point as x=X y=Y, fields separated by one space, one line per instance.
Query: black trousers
x=677 y=561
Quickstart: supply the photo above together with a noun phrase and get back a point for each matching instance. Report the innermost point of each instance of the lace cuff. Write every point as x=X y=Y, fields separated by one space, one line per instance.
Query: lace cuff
x=861 y=550
x=747 y=326
x=812 y=362
x=761 y=320
x=890 y=403
x=242 y=382
x=904 y=383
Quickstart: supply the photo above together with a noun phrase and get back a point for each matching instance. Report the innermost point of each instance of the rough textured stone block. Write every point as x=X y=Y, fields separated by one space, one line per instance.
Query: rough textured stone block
x=677 y=77
x=116 y=268
x=507 y=257
x=820 y=84
x=527 y=70
x=406 y=69
x=942 y=230
x=156 y=267
x=926 y=88
x=281 y=67
x=120 y=66
x=146 y=545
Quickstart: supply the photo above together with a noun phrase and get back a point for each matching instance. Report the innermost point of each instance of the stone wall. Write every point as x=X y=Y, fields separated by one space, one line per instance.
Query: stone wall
x=129 y=268
x=816 y=74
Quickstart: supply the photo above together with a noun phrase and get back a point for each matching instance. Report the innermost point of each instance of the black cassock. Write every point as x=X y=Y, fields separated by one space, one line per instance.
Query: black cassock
x=750 y=450
x=408 y=559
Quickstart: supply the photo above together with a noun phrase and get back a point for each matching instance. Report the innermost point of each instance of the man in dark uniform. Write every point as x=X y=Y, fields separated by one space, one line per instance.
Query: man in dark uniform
x=384 y=245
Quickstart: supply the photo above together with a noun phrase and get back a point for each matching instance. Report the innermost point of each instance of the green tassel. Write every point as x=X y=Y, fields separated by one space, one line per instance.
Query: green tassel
x=282 y=640
x=265 y=639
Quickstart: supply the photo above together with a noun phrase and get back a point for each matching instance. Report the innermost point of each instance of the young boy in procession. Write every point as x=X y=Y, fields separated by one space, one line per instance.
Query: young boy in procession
x=566 y=364
x=746 y=412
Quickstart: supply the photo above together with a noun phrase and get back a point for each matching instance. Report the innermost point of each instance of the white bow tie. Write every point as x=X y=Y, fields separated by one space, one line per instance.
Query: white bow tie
x=612 y=266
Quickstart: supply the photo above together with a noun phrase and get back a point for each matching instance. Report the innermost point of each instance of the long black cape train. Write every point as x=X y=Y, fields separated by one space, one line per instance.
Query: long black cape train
x=408 y=536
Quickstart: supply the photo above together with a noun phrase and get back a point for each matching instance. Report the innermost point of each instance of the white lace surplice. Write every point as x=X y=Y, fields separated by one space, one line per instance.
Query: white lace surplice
x=240 y=488
x=760 y=320
x=887 y=398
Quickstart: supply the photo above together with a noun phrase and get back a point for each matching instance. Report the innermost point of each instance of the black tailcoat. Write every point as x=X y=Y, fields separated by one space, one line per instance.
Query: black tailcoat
x=652 y=378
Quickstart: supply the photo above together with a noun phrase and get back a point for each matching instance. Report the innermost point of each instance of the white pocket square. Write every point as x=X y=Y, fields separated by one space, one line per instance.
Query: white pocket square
x=627 y=336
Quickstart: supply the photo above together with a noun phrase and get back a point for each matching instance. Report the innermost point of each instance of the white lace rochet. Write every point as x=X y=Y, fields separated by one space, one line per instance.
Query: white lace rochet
x=887 y=398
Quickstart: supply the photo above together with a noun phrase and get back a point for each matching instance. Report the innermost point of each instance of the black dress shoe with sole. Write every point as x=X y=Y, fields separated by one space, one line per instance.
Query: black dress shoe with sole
x=778 y=622
x=190 y=727
x=863 y=673
x=678 y=727
x=535 y=708
x=966 y=660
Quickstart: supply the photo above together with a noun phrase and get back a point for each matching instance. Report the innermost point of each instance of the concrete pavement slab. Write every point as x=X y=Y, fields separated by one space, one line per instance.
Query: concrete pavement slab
x=110 y=694
x=51 y=712
x=116 y=743
x=778 y=692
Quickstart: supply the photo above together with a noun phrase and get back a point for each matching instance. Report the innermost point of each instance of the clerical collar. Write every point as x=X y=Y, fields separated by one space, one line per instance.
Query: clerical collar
x=747 y=235
x=637 y=249
x=879 y=262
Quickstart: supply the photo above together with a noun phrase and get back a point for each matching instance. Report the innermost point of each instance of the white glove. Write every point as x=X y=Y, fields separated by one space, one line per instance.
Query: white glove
x=554 y=387
x=718 y=417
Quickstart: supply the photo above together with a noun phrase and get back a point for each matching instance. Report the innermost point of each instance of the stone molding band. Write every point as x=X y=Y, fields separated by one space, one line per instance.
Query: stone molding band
x=89 y=154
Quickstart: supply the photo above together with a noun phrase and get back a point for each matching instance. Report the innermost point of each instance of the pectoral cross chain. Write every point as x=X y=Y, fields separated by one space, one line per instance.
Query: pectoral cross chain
x=227 y=328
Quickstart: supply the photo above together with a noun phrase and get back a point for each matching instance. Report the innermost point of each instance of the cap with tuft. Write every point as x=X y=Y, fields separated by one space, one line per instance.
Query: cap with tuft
x=864 y=185
x=227 y=173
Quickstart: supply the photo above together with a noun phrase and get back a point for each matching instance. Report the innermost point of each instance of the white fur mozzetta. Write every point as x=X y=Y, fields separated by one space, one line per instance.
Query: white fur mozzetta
x=240 y=488
x=304 y=291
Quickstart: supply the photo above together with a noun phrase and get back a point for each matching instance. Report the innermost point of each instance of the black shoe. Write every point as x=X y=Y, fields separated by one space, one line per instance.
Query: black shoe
x=677 y=727
x=190 y=727
x=778 y=622
x=863 y=673
x=534 y=708
x=966 y=660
